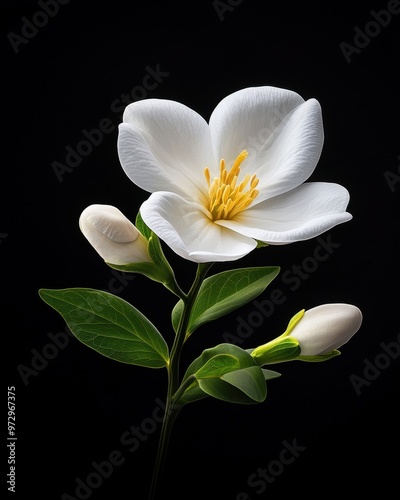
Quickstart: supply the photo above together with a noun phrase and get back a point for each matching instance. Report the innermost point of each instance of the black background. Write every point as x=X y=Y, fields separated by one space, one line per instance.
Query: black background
x=73 y=409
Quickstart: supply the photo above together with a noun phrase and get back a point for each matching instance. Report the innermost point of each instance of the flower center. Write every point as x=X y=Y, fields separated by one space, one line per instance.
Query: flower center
x=226 y=198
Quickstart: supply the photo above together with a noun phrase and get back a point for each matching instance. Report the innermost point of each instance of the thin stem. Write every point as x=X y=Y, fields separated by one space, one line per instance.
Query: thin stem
x=172 y=410
x=173 y=287
x=179 y=340
x=182 y=388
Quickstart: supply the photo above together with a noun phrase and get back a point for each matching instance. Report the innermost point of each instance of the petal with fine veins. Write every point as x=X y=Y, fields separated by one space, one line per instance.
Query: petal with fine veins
x=189 y=232
x=164 y=146
x=301 y=214
x=326 y=327
x=108 y=221
x=282 y=133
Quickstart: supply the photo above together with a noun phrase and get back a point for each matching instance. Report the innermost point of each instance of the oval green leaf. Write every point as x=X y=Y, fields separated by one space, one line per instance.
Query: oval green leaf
x=250 y=381
x=225 y=292
x=225 y=372
x=109 y=325
x=243 y=386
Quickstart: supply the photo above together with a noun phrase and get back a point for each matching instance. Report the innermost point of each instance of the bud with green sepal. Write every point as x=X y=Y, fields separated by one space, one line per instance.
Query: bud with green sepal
x=313 y=335
x=126 y=247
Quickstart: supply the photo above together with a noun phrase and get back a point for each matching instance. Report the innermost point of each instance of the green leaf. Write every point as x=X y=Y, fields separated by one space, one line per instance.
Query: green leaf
x=109 y=325
x=224 y=292
x=218 y=366
x=176 y=314
x=225 y=372
x=249 y=380
x=243 y=386
x=244 y=358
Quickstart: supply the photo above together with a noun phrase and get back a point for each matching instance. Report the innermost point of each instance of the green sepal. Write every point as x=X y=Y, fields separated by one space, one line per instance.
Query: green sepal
x=154 y=246
x=176 y=314
x=109 y=325
x=270 y=374
x=293 y=322
x=142 y=226
x=225 y=372
x=148 y=269
x=224 y=292
x=277 y=351
x=320 y=357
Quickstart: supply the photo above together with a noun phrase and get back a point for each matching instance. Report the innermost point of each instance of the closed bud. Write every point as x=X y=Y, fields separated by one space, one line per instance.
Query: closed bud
x=317 y=333
x=325 y=328
x=113 y=236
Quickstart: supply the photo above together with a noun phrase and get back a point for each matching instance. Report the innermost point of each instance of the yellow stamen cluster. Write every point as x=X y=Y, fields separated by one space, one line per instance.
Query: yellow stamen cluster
x=226 y=198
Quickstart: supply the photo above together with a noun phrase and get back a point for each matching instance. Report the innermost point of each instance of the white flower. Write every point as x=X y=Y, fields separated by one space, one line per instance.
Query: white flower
x=113 y=236
x=326 y=328
x=218 y=188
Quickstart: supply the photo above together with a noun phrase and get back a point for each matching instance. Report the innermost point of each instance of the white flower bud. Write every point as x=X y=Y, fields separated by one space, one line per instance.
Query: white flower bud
x=325 y=328
x=113 y=236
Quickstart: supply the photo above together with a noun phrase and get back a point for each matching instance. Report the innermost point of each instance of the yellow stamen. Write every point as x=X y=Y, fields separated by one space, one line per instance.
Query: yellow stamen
x=226 y=198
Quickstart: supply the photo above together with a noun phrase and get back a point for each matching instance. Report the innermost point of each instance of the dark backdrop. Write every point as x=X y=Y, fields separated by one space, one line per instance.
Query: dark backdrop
x=67 y=71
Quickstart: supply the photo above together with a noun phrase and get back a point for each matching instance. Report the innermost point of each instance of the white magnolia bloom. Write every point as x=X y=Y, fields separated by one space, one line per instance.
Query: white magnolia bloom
x=326 y=328
x=113 y=236
x=218 y=187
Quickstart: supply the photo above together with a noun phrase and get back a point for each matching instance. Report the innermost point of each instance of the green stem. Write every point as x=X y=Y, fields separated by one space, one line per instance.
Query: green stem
x=179 y=340
x=173 y=287
x=182 y=388
x=172 y=410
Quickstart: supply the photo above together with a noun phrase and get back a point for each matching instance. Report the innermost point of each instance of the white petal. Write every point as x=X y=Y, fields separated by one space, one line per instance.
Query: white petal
x=109 y=221
x=112 y=235
x=326 y=327
x=282 y=133
x=187 y=230
x=301 y=214
x=164 y=146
